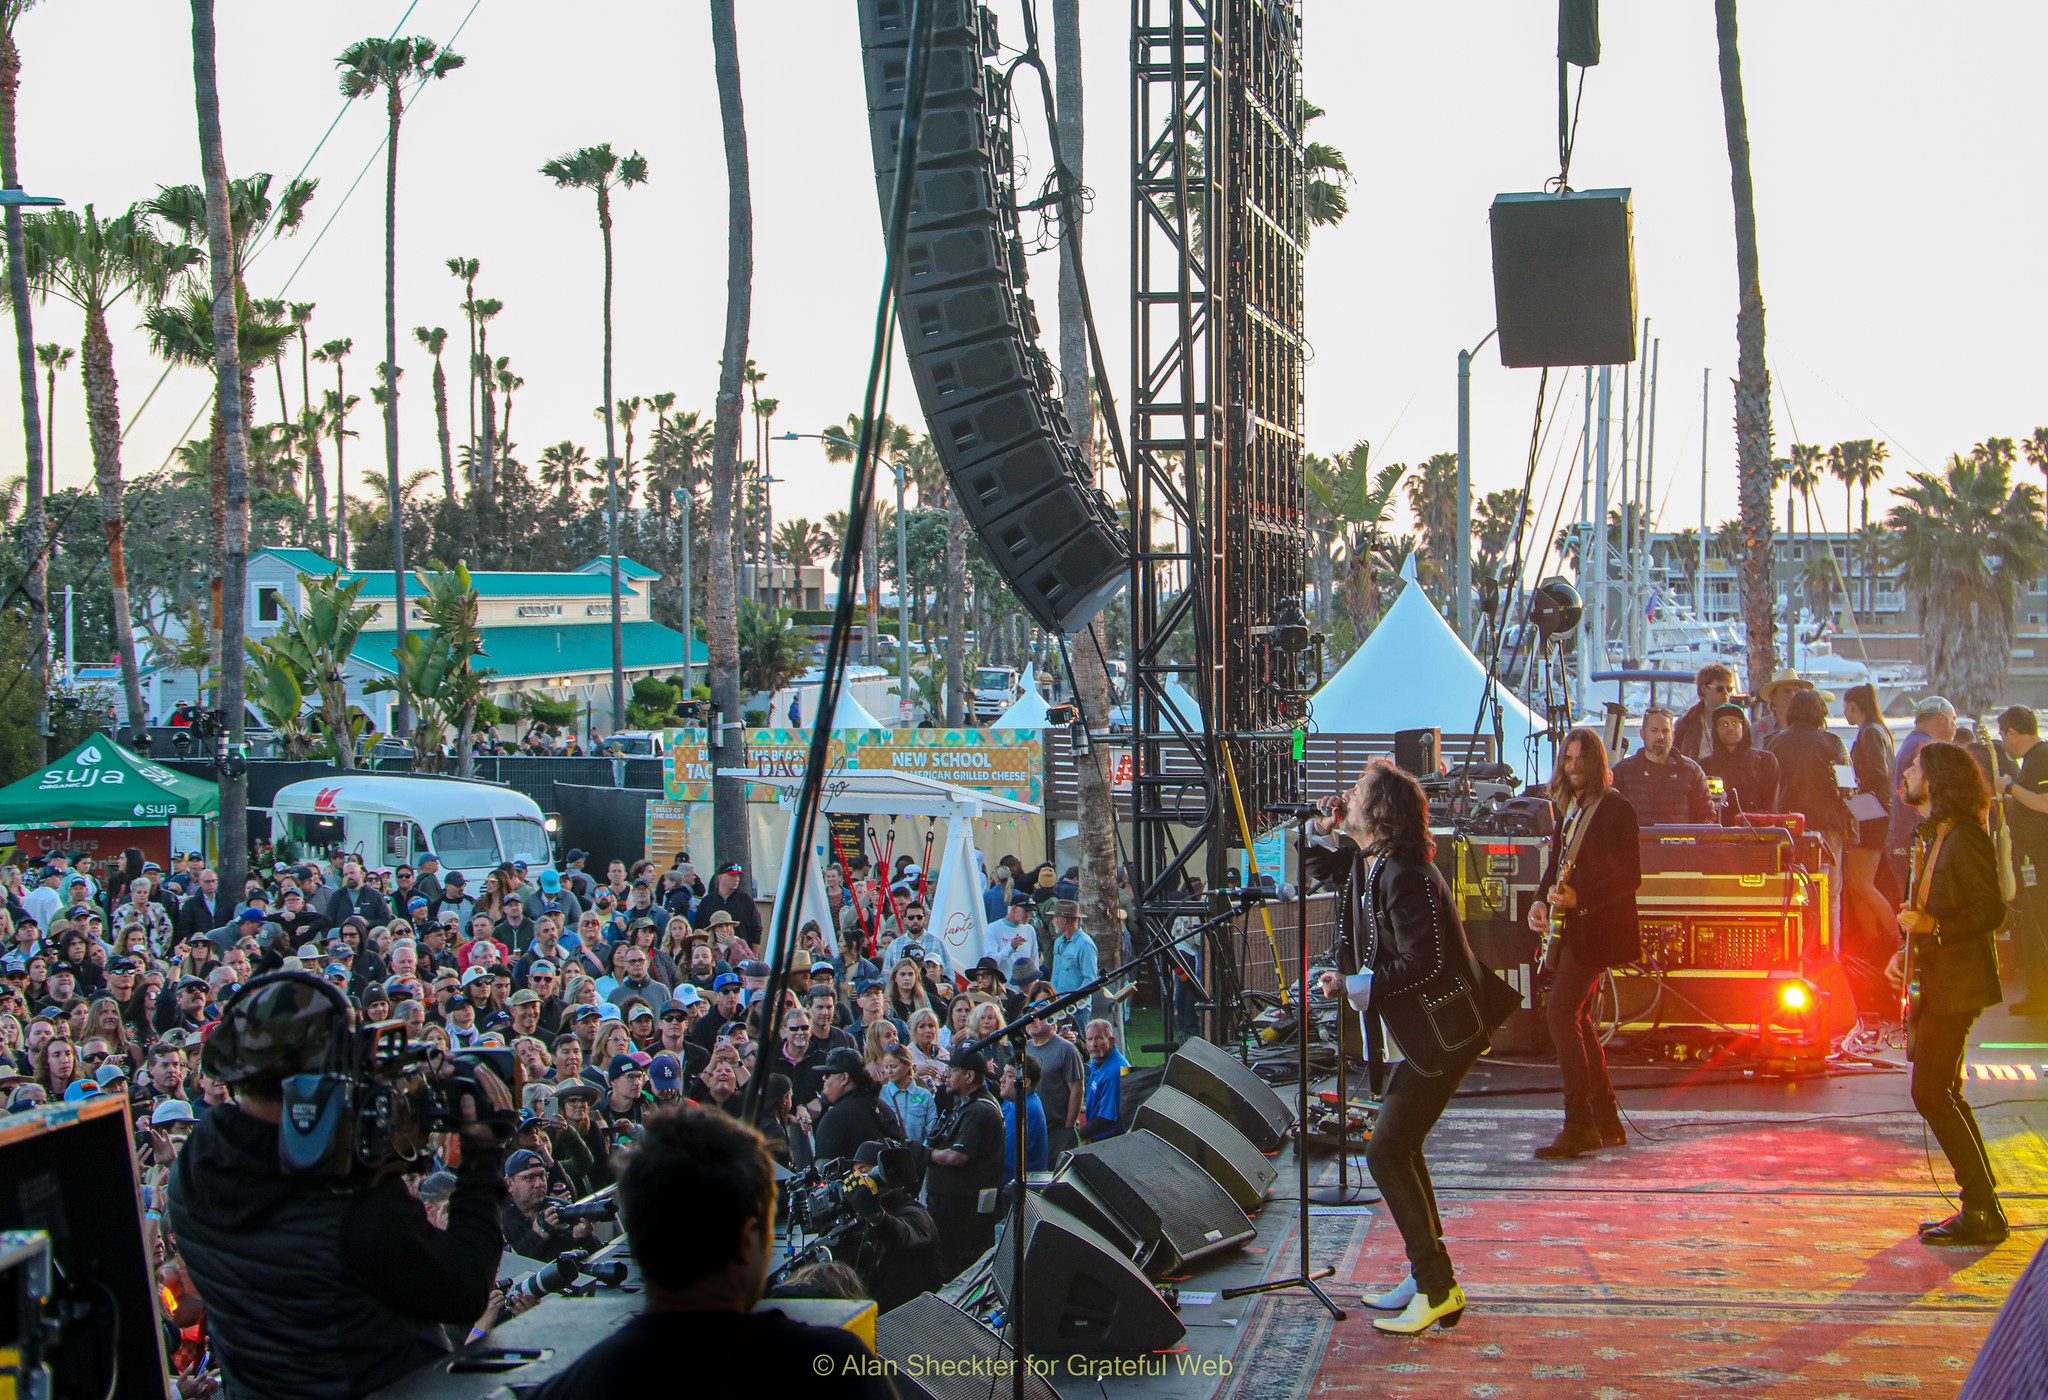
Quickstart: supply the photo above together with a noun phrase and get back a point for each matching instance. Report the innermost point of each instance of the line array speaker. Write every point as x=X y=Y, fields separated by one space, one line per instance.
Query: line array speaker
x=1209 y=1074
x=1178 y=1211
x=1082 y=1296
x=1564 y=278
x=928 y=1327
x=1217 y=1147
x=969 y=331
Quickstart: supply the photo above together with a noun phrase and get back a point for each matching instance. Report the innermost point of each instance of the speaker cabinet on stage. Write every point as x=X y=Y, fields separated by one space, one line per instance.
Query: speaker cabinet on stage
x=969 y=334
x=1216 y=1146
x=69 y=1170
x=1419 y=752
x=1564 y=278
x=926 y=1328
x=1081 y=1296
x=1177 y=1211
x=1209 y=1074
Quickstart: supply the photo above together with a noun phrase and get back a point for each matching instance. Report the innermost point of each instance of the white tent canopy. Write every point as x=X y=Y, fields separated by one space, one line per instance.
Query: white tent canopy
x=849 y=713
x=1413 y=672
x=957 y=917
x=1028 y=710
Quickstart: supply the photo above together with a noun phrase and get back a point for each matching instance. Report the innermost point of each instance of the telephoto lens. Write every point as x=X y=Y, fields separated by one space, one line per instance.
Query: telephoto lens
x=557 y=1277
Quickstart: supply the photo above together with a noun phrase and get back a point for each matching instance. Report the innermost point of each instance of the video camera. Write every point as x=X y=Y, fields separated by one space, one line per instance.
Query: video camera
x=824 y=1195
x=385 y=1102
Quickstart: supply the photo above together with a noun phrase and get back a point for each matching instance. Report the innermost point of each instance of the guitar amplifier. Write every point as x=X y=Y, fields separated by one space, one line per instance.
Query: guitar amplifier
x=1715 y=850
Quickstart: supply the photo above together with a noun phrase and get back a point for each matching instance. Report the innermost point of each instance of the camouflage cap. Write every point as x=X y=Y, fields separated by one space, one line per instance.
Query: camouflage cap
x=278 y=1025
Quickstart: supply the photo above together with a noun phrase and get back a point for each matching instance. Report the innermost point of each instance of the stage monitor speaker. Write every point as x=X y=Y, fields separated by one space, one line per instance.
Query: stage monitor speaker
x=927 y=1328
x=1209 y=1074
x=1071 y=1193
x=1564 y=278
x=69 y=1170
x=1419 y=752
x=989 y=394
x=1217 y=1147
x=1081 y=1296
x=1179 y=1212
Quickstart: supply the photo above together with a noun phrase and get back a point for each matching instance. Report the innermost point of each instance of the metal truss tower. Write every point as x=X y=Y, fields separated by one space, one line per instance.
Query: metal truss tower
x=1218 y=232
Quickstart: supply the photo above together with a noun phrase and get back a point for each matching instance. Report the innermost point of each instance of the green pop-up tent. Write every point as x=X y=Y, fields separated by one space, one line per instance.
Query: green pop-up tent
x=101 y=784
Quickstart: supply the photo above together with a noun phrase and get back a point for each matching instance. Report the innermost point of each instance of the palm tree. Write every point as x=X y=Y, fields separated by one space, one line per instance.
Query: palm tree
x=481 y=314
x=602 y=170
x=800 y=542
x=1753 y=377
x=628 y=413
x=36 y=583
x=1433 y=496
x=312 y=425
x=230 y=412
x=721 y=614
x=369 y=67
x=1854 y=464
x=1966 y=543
x=54 y=359
x=564 y=467
x=1871 y=544
x=464 y=270
x=433 y=341
x=1685 y=547
x=1359 y=499
x=339 y=402
x=1328 y=175
x=94 y=263
x=1804 y=477
x=2036 y=449
x=892 y=444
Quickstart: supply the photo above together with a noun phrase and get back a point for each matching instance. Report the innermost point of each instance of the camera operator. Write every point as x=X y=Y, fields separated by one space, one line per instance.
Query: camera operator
x=898 y=1253
x=966 y=1162
x=698 y=1193
x=531 y=1218
x=311 y=1290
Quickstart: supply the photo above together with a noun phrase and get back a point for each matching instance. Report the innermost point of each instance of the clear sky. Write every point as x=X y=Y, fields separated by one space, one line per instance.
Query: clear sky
x=1896 y=151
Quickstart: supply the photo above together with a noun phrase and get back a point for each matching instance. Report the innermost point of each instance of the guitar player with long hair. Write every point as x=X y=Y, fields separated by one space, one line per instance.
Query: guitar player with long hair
x=1949 y=967
x=1590 y=887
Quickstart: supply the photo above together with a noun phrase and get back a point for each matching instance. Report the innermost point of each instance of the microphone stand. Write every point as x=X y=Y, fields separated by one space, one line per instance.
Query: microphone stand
x=1308 y=1276
x=1018 y=1203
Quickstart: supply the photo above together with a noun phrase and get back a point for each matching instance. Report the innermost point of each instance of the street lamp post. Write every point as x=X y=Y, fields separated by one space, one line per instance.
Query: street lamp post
x=689 y=621
x=1465 y=486
x=902 y=570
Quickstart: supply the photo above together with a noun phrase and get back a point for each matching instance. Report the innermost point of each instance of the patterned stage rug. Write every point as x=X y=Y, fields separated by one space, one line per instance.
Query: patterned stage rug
x=1742 y=1258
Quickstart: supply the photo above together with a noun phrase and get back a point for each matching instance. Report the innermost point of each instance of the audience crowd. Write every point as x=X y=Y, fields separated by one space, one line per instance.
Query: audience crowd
x=615 y=992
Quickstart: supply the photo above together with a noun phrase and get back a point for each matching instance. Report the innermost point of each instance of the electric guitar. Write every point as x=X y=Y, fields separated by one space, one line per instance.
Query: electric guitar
x=1553 y=933
x=1909 y=969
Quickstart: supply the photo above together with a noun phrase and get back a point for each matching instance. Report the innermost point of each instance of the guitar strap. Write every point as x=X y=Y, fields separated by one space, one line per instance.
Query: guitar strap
x=1927 y=870
x=1578 y=824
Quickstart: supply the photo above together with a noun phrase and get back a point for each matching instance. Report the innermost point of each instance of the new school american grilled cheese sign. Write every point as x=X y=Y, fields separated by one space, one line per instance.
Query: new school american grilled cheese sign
x=1000 y=765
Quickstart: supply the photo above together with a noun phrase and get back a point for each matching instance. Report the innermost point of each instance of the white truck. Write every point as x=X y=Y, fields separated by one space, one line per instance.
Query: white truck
x=995 y=689
x=387 y=821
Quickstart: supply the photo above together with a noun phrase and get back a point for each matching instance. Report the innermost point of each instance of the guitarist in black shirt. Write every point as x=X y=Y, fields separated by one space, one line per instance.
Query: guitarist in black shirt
x=1949 y=967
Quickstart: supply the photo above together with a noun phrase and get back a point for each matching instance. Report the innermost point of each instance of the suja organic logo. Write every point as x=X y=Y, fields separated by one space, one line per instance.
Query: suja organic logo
x=83 y=777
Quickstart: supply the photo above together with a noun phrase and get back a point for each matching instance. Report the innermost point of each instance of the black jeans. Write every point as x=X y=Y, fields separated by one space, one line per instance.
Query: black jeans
x=1938 y=1096
x=2030 y=929
x=1413 y=1103
x=1574 y=992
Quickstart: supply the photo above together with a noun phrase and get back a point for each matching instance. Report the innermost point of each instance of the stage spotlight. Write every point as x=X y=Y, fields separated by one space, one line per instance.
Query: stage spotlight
x=1795 y=996
x=1555 y=607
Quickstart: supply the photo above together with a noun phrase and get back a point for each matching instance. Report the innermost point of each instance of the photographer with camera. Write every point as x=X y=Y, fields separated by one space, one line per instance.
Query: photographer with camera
x=532 y=1219
x=855 y=1112
x=322 y=1276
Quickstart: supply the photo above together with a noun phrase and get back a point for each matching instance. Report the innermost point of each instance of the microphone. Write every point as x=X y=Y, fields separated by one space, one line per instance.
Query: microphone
x=1293 y=809
x=1252 y=894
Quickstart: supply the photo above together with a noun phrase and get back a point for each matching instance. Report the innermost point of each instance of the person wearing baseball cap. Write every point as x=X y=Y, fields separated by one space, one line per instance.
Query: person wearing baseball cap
x=665 y=1079
x=725 y=1008
x=728 y=896
x=532 y=1228
x=854 y=1111
x=626 y=1076
x=1934 y=718
x=966 y=1159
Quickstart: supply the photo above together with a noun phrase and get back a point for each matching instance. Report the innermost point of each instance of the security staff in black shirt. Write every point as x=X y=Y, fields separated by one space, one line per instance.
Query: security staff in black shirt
x=966 y=1160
